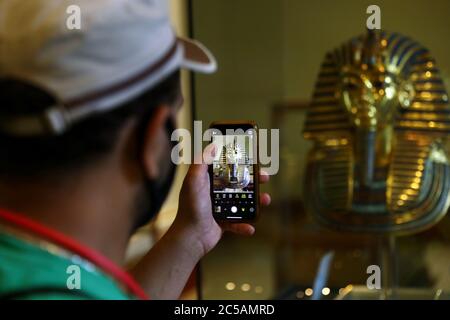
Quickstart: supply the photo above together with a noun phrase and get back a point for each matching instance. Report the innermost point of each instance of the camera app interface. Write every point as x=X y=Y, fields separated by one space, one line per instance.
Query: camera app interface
x=233 y=175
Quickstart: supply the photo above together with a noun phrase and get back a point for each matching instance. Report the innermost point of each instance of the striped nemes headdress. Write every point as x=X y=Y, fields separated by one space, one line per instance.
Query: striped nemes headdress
x=422 y=98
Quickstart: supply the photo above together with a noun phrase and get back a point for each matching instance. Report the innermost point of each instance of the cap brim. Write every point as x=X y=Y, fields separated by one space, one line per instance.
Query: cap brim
x=197 y=57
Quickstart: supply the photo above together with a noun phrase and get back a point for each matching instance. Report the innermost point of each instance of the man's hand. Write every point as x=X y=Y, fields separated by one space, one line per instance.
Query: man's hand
x=164 y=271
x=195 y=215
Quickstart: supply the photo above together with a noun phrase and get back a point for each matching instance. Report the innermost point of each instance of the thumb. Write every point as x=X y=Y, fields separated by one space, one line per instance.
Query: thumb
x=202 y=160
x=209 y=153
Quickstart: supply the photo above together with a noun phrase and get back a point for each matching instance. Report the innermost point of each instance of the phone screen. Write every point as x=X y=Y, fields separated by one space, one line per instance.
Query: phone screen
x=233 y=169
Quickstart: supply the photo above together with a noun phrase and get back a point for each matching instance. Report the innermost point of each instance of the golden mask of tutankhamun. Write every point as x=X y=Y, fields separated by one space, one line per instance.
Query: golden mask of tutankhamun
x=380 y=123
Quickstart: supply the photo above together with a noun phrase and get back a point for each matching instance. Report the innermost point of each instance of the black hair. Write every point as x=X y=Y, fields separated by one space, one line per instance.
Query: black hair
x=84 y=143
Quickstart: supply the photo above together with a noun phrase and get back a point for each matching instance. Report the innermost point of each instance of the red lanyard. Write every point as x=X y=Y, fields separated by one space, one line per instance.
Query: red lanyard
x=66 y=242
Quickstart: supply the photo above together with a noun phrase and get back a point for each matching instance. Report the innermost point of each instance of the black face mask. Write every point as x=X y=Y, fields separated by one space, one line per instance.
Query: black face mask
x=156 y=190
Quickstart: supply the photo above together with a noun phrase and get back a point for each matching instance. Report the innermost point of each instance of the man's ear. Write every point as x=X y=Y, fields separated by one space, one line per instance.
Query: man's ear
x=155 y=141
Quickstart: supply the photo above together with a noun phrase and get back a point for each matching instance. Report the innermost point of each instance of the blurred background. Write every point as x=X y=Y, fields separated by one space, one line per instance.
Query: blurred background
x=269 y=54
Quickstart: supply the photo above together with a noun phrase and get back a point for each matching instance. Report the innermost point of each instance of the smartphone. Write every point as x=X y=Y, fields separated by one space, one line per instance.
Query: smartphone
x=234 y=171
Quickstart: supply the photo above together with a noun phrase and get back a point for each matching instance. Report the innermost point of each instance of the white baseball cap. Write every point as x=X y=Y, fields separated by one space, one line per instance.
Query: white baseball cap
x=122 y=49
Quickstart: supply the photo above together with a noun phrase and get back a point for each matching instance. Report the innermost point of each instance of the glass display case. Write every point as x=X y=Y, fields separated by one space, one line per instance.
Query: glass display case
x=270 y=54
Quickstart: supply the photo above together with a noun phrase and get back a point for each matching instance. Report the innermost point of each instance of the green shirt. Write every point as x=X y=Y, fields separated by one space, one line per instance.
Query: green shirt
x=28 y=271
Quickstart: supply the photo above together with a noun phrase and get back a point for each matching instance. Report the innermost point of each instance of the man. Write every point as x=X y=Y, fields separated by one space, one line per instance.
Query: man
x=85 y=123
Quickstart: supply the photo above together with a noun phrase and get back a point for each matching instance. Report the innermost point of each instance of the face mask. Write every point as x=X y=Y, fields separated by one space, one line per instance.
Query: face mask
x=156 y=190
